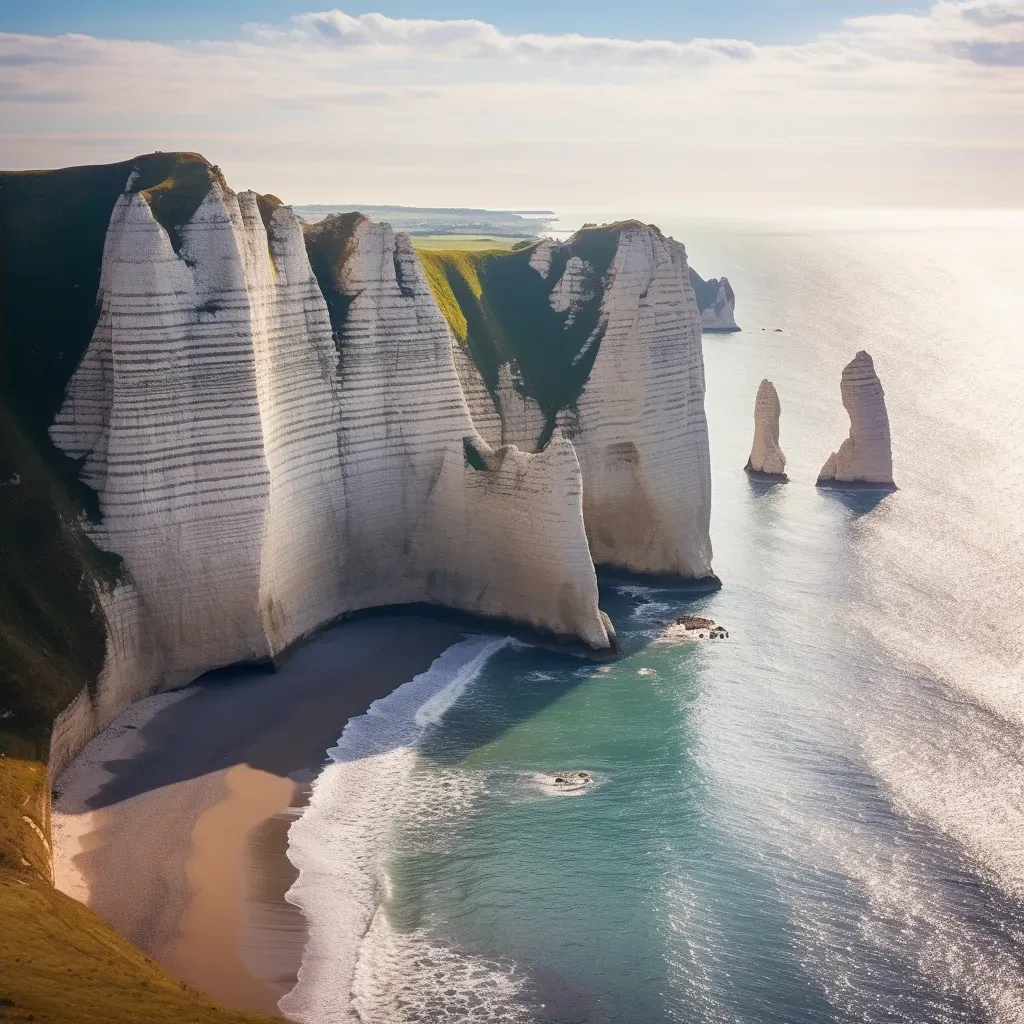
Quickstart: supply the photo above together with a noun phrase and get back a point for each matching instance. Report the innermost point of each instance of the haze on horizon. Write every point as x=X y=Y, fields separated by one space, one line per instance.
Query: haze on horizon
x=697 y=107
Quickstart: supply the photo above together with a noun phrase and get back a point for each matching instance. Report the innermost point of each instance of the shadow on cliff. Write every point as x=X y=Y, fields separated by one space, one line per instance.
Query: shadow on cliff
x=283 y=722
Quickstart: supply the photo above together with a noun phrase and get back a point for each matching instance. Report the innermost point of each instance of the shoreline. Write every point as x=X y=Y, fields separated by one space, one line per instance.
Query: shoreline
x=172 y=823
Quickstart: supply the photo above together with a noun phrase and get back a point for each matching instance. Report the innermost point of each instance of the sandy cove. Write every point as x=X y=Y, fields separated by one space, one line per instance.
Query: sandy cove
x=172 y=823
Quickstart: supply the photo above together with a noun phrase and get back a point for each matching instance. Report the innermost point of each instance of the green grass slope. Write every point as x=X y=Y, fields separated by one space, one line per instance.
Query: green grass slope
x=498 y=306
x=59 y=963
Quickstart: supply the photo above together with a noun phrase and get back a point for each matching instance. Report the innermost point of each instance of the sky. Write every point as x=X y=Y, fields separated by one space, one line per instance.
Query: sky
x=683 y=106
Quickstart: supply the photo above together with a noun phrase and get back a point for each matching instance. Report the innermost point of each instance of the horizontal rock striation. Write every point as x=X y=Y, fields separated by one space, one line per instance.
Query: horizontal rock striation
x=282 y=428
x=640 y=432
x=865 y=458
x=766 y=457
x=717 y=303
x=273 y=448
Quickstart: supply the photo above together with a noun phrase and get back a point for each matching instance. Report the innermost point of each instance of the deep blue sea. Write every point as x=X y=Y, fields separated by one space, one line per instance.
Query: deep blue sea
x=819 y=819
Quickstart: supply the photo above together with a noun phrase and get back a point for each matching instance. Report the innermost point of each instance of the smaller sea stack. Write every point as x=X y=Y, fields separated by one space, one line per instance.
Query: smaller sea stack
x=865 y=458
x=717 y=304
x=767 y=461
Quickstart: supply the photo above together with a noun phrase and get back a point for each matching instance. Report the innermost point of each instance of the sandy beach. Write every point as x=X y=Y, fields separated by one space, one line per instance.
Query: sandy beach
x=172 y=823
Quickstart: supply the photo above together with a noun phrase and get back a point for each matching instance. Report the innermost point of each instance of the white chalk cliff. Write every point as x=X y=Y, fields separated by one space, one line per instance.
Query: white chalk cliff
x=865 y=457
x=717 y=303
x=263 y=468
x=283 y=428
x=610 y=317
x=639 y=426
x=766 y=457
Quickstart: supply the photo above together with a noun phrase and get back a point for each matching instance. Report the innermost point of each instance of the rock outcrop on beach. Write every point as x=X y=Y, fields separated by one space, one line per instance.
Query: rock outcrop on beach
x=766 y=458
x=865 y=458
x=717 y=303
x=599 y=337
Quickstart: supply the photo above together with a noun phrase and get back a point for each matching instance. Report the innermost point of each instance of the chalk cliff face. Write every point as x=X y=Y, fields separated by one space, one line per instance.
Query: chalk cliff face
x=599 y=336
x=865 y=457
x=271 y=450
x=639 y=427
x=766 y=457
x=280 y=428
x=717 y=303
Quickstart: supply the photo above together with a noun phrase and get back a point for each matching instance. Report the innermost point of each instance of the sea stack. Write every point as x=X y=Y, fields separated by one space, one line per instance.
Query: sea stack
x=766 y=462
x=865 y=457
x=717 y=304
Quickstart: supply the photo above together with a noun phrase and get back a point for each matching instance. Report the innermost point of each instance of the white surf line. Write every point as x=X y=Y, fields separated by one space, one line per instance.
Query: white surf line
x=336 y=843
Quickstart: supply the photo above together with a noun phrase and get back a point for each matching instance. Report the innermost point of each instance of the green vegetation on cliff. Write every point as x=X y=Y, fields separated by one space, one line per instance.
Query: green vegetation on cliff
x=59 y=963
x=498 y=306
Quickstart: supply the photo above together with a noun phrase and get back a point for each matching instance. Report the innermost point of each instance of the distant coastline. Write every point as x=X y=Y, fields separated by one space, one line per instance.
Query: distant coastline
x=426 y=220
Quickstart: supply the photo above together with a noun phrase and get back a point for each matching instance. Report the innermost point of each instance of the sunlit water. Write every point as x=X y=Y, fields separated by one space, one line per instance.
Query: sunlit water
x=818 y=819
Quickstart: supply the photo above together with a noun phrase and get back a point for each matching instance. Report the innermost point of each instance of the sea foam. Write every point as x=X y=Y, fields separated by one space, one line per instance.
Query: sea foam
x=356 y=966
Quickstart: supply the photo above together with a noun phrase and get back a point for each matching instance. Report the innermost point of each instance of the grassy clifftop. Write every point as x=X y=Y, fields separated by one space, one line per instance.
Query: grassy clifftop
x=499 y=307
x=59 y=963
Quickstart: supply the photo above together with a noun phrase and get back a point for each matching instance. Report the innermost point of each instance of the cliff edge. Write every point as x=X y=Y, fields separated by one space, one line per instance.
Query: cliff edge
x=55 y=590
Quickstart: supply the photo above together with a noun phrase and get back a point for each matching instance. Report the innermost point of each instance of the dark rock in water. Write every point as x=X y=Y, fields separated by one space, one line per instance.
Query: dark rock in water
x=694 y=622
x=708 y=628
x=573 y=779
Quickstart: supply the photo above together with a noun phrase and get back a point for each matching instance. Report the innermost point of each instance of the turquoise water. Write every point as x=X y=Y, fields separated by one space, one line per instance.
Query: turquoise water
x=818 y=819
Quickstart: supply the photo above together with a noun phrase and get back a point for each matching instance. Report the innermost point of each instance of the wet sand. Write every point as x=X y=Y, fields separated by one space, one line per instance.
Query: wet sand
x=172 y=824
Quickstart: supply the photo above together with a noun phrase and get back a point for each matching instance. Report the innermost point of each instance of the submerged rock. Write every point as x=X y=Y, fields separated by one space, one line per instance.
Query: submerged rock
x=767 y=460
x=865 y=457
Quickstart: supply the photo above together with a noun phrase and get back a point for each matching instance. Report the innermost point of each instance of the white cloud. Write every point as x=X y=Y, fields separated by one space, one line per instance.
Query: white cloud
x=467 y=40
x=924 y=107
x=971 y=32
